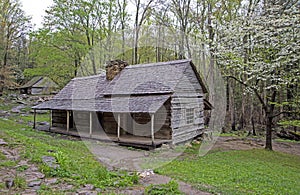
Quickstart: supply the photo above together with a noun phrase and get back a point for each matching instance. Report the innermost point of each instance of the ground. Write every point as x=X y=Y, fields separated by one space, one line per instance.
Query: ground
x=30 y=178
x=116 y=157
x=238 y=143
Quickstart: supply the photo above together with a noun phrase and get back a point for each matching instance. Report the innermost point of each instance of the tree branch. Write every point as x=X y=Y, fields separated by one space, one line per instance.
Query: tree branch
x=253 y=89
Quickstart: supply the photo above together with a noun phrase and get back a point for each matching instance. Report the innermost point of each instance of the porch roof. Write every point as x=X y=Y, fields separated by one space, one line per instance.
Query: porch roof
x=120 y=104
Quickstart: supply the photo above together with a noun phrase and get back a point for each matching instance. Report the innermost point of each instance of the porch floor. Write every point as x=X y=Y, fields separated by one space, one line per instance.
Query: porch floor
x=125 y=140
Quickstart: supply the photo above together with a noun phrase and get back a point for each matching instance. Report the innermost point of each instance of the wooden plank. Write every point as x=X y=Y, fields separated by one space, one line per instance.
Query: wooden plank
x=68 y=121
x=34 y=118
x=119 y=128
x=152 y=128
x=50 y=119
x=91 y=124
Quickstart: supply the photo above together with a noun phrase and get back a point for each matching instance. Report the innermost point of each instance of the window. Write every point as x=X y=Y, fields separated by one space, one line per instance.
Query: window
x=189 y=114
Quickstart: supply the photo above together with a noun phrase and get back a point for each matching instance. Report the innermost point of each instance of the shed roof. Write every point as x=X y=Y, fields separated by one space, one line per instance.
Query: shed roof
x=33 y=81
x=138 y=88
x=40 y=82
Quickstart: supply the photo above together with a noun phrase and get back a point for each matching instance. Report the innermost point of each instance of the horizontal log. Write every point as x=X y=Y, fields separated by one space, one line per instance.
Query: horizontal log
x=180 y=132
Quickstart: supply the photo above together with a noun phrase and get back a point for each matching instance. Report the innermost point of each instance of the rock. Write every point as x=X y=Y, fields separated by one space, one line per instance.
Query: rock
x=146 y=153
x=2 y=142
x=50 y=181
x=39 y=175
x=50 y=161
x=165 y=146
x=43 y=128
x=24 y=96
x=21 y=102
x=9 y=183
x=86 y=192
x=188 y=145
x=12 y=96
x=89 y=187
x=36 y=187
x=20 y=121
x=3 y=113
x=17 y=109
x=35 y=183
x=43 y=123
x=196 y=142
x=145 y=173
x=30 y=178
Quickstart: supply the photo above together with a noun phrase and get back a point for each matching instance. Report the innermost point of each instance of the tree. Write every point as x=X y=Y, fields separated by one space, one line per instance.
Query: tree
x=14 y=25
x=272 y=56
x=142 y=10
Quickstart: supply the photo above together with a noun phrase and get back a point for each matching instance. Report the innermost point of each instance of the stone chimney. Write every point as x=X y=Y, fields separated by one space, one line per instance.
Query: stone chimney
x=113 y=68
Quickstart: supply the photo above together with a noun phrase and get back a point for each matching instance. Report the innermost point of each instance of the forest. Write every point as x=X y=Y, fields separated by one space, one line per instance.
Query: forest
x=253 y=44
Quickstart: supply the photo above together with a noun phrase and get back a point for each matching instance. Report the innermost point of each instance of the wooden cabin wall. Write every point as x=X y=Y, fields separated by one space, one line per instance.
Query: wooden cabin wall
x=38 y=91
x=188 y=95
x=82 y=122
x=59 y=118
x=110 y=124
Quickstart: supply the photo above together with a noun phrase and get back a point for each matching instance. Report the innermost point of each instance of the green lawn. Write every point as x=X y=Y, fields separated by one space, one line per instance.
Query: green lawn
x=239 y=172
x=77 y=164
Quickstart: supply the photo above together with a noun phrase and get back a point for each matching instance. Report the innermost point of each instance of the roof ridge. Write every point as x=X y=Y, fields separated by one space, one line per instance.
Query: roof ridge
x=174 y=62
x=89 y=77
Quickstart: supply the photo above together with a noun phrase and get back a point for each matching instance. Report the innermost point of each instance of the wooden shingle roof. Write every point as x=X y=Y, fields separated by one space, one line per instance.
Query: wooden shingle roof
x=32 y=81
x=39 y=82
x=138 y=88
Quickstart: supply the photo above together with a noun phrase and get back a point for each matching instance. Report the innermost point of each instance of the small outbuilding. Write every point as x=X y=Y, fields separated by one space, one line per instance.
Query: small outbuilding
x=136 y=105
x=39 y=86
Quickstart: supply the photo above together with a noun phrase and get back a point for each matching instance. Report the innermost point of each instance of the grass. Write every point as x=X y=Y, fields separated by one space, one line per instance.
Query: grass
x=76 y=164
x=171 y=188
x=20 y=182
x=39 y=118
x=239 y=172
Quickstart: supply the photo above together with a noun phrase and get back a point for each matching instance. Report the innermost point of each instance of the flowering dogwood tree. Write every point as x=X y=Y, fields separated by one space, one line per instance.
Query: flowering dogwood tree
x=261 y=52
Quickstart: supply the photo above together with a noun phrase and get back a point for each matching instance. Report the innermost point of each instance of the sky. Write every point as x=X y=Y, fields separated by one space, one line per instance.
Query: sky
x=36 y=9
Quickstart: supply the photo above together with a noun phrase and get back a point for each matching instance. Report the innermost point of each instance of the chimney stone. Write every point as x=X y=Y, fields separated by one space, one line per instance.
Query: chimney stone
x=114 y=67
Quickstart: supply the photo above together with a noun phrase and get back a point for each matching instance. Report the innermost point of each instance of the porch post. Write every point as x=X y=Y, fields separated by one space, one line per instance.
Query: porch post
x=50 y=120
x=152 y=129
x=34 y=118
x=68 y=121
x=119 y=128
x=91 y=124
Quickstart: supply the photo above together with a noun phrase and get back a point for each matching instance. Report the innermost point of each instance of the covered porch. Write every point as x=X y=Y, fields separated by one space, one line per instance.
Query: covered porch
x=90 y=125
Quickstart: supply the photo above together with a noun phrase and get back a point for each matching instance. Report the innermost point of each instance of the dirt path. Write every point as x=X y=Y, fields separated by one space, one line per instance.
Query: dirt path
x=115 y=157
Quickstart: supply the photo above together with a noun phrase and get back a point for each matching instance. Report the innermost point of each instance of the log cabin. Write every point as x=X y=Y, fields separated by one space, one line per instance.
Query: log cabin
x=135 y=105
x=39 y=86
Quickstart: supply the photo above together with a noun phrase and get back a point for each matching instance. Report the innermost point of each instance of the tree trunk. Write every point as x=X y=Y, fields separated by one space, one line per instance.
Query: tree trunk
x=232 y=106
x=269 y=121
x=253 y=126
